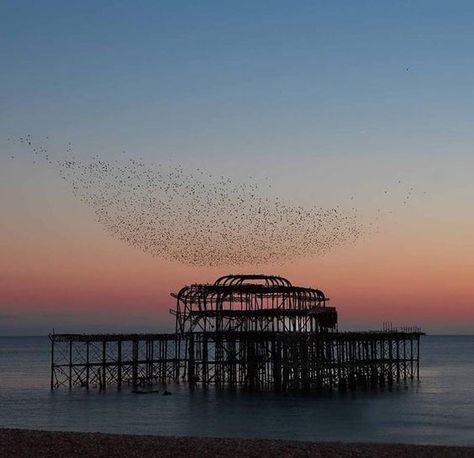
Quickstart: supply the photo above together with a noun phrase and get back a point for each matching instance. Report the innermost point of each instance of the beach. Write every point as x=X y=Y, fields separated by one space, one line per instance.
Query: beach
x=31 y=443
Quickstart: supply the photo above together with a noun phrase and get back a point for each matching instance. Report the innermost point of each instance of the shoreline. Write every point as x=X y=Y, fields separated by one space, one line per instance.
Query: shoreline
x=39 y=443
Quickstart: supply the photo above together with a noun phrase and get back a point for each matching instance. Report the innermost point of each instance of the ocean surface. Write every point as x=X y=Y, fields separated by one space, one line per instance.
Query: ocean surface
x=437 y=410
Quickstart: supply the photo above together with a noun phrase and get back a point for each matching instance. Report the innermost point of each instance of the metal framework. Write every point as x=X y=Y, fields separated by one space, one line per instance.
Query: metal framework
x=245 y=303
x=244 y=331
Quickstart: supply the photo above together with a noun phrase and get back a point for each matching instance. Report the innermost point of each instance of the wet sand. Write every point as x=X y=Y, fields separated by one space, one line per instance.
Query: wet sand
x=27 y=443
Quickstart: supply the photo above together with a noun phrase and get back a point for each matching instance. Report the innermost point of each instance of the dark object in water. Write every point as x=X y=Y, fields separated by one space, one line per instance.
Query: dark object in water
x=145 y=391
x=167 y=393
x=193 y=379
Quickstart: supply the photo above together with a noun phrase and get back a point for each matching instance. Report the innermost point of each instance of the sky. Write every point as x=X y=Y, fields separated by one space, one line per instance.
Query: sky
x=324 y=99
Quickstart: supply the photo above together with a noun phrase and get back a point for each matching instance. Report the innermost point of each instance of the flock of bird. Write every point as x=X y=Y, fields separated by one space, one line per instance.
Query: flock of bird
x=197 y=218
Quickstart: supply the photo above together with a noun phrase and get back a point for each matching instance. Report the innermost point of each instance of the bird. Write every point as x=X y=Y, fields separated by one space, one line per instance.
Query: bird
x=197 y=218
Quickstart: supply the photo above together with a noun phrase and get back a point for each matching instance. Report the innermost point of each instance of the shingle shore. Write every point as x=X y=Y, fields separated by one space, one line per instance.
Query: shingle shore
x=27 y=443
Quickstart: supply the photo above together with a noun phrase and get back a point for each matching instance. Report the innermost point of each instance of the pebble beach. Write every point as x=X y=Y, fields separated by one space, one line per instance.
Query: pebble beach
x=29 y=443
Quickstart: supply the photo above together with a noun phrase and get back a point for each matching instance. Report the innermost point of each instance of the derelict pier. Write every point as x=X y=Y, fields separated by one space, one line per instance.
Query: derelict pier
x=252 y=332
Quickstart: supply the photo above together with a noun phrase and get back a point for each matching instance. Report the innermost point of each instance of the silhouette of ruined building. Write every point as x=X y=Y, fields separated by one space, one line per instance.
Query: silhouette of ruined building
x=254 y=332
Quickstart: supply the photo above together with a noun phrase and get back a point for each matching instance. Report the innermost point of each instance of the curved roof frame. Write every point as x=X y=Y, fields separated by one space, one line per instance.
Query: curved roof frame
x=270 y=280
x=225 y=286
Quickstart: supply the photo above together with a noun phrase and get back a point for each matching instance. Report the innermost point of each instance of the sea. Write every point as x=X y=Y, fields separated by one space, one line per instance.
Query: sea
x=439 y=409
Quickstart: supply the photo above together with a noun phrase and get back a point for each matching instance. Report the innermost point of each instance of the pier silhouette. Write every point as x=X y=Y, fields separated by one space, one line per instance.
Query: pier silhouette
x=254 y=332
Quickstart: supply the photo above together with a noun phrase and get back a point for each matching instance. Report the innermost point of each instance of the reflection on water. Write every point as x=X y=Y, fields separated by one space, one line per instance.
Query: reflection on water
x=438 y=410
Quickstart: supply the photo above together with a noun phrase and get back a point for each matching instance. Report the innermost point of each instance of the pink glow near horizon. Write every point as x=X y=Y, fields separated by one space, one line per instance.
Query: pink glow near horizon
x=60 y=268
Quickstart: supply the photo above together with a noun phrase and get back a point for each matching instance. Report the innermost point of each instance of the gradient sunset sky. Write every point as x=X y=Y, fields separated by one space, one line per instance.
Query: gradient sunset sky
x=327 y=100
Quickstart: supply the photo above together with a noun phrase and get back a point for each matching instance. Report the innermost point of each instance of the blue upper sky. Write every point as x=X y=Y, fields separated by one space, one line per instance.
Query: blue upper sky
x=223 y=78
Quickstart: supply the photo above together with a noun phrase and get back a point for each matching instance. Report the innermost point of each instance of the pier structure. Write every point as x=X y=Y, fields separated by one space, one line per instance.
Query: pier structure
x=253 y=332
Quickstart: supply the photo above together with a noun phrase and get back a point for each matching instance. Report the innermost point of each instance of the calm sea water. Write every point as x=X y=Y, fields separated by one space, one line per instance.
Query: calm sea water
x=438 y=410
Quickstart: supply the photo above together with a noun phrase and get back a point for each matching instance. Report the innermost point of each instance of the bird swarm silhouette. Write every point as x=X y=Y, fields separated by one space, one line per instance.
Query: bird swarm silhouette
x=197 y=218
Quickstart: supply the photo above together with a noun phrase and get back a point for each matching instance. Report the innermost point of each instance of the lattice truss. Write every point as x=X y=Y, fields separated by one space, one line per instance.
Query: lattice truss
x=98 y=361
x=265 y=361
